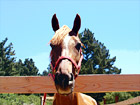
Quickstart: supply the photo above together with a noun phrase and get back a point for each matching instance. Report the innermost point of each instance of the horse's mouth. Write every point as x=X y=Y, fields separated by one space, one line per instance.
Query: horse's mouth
x=67 y=90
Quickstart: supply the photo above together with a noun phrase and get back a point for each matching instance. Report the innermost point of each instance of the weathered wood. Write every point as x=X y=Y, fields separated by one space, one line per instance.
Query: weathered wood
x=128 y=102
x=27 y=84
x=108 y=83
x=84 y=83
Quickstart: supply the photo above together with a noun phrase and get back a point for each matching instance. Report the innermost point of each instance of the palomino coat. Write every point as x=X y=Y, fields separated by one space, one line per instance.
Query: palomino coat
x=73 y=99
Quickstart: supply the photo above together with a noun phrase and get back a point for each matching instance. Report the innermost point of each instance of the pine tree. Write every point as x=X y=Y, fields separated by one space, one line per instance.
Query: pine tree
x=96 y=59
x=29 y=68
x=7 y=59
x=19 y=67
x=96 y=56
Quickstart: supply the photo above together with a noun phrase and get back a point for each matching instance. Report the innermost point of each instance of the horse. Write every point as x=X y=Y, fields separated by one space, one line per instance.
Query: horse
x=66 y=57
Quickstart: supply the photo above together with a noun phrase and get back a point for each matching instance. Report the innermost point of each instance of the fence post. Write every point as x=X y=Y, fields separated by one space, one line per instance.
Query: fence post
x=41 y=100
x=116 y=99
x=104 y=101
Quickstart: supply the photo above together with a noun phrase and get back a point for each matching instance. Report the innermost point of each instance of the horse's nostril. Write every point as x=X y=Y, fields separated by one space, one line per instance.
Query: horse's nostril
x=71 y=78
x=56 y=78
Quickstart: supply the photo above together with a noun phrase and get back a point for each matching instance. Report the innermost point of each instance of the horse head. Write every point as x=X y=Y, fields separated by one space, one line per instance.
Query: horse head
x=66 y=55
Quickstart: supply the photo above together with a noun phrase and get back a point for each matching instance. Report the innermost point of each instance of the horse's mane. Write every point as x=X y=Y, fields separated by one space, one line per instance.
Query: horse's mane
x=60 y=35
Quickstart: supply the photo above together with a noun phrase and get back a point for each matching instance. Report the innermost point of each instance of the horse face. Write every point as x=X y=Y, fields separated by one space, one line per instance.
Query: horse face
x=68 y=47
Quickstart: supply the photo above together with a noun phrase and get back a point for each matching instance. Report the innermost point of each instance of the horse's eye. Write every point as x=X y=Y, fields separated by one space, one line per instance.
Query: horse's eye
x=78 y=46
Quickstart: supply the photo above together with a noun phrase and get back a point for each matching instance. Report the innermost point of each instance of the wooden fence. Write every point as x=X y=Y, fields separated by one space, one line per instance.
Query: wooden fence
x=84 y=83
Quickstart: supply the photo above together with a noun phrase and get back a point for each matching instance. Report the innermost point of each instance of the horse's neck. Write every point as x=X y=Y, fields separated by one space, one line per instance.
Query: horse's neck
x=70 y=99
x=74 y=99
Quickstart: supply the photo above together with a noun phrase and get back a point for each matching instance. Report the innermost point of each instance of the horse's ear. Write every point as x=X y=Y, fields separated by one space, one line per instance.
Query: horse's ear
x=55 y=23
x=77 y=24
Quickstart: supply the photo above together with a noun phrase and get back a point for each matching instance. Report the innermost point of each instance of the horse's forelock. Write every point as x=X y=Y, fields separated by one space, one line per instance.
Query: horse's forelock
x=60 y=35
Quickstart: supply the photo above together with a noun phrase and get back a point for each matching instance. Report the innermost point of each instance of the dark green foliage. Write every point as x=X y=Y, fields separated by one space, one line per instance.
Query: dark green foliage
x=7 y=59
x=110 y=97
x=96 y=56
x=134 y=94
x=29 y=68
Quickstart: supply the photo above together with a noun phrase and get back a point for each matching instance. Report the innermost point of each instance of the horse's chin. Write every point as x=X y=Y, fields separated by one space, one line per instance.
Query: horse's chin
x=64 y=92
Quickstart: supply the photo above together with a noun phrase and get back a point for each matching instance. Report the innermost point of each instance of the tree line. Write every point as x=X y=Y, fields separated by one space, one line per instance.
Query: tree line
x=9 y=66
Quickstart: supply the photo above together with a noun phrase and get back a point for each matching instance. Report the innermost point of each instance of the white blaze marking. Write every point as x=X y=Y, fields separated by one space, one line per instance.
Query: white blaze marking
x=65 y=50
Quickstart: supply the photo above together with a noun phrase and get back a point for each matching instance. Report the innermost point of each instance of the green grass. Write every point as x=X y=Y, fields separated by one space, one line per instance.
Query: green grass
x=15 y=99
x=49 y=102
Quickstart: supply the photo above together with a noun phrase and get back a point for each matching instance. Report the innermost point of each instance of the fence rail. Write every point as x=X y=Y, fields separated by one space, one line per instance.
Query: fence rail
x=127 y=102
x=84 y=83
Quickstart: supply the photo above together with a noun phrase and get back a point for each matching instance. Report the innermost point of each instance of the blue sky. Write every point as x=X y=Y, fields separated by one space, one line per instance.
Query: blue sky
x=116 y=23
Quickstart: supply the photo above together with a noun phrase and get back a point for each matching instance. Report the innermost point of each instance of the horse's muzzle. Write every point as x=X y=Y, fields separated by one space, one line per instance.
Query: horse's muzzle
x=64 y=83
